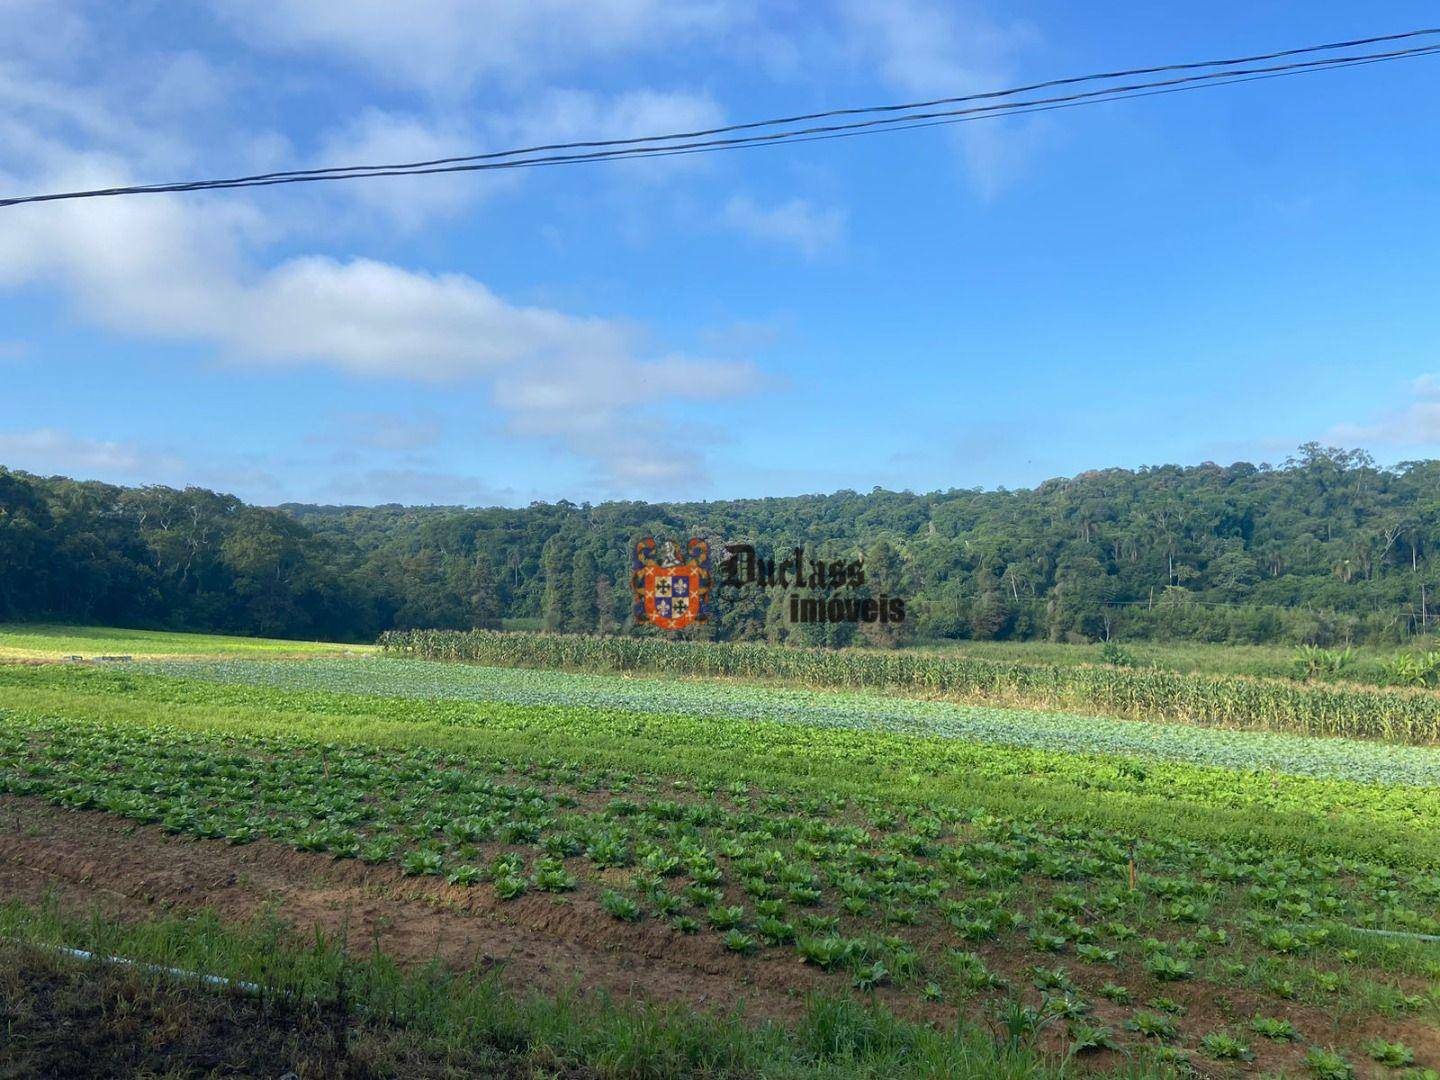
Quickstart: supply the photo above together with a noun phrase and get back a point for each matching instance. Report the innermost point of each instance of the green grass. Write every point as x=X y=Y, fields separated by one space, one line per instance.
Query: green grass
x=55 y=641
x=365 y=1016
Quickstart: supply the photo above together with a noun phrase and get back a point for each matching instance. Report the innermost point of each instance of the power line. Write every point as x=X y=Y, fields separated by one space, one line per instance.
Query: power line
x=900 y=123
x=726 y=129
x=901 y=118
x=846 y=130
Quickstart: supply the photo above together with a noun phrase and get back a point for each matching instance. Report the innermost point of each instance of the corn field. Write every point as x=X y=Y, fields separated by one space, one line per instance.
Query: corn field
x=1409 y=716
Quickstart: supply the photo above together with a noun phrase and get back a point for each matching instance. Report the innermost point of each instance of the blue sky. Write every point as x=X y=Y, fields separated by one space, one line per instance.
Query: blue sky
x=1218 y=275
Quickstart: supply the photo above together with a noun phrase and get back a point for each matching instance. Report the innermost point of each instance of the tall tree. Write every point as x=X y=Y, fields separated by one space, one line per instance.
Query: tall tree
x=484 y=594
x=584 y=613
x=605 y=605
x=556 y=570
x=883 y=580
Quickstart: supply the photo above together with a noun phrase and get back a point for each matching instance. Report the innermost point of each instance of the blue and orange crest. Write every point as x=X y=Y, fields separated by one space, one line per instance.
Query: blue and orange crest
x=670 y=592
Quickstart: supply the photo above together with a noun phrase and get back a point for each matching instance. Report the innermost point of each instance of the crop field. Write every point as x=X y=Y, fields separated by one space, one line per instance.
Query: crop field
x=55 y=641
x=881 y=885
x=1332 y=758
x=1310 y=708
x=1366 y=664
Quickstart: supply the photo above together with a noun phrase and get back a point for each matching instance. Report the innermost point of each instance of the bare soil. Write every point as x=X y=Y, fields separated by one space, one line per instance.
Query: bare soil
x=546 y=941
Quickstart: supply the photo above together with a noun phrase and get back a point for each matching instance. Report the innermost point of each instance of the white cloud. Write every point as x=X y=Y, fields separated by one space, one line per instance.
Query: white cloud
x=447 y=46
x=46 y=31
x=376 y=137
x=49 y=451
x=1415 y=424
x=46 y=451
x=796 y=222
x=378 y=430
x=195 y=269
x=560 y=115
x=927 y=50
x=412 y=486
x=66 y=82
x=565 y=115
x=172 y=268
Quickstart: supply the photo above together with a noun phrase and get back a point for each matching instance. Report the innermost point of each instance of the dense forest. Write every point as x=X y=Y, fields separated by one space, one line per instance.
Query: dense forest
x=1326 y=548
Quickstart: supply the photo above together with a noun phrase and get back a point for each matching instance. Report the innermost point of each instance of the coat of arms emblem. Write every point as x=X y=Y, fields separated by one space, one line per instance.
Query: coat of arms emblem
x=669 y=591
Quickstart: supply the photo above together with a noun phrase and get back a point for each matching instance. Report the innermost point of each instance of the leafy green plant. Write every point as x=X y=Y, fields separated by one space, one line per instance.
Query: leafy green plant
x=871 y=976
x=1167 y=968
x=1115 y=654
x=1313 y=662
x=725 y=918
x=1152 y=1025
x=1274 y=1028
x=509 y=886
x=1116 y=993
x=1051 y=979
x=1394 y=1054
x=706 y=874
x=661 y=862
x=1224 y=1046
x=703 y=895
x=1087 y=1038
x=1093 y=954
x=1047 y=942
x=825 y=952
x=620 y=906
x=1406 y=669
x=421 y=861
x=739 y=942
x=1327 y=1064
x=551 y=876
x=774 y=931
x=609 y=849
x=1283 y=941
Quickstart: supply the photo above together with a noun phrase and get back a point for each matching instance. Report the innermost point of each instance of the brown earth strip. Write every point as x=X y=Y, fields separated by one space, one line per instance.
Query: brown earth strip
x=544 y=941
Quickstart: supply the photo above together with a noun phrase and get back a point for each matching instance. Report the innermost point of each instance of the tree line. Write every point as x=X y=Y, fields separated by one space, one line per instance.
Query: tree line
x=1326 y=548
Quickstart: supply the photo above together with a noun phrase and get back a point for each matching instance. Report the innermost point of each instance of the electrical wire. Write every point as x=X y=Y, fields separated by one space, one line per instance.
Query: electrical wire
x=905 y=119
x=801 y=118
x=902 y=123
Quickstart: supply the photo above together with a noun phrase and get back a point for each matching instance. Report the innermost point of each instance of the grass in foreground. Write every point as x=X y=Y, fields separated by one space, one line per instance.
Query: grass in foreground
x=324 y=1013
x=55 y=641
